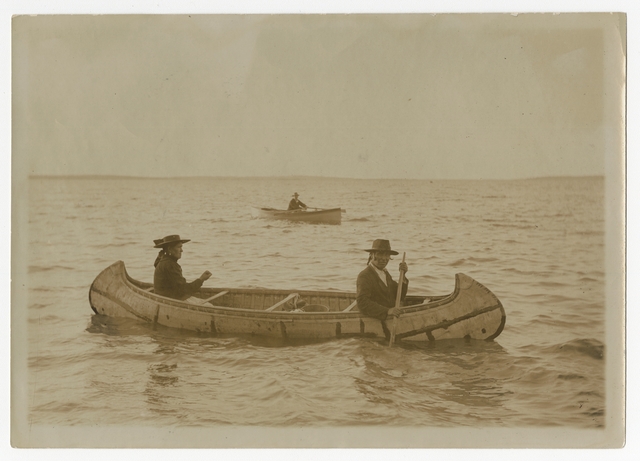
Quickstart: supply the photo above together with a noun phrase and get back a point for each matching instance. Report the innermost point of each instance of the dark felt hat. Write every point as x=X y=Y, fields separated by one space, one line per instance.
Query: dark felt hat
x=169 y=240
x=382 y=245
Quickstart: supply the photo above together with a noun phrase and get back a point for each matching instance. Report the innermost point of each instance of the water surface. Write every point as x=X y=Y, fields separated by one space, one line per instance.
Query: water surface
x=537 y=244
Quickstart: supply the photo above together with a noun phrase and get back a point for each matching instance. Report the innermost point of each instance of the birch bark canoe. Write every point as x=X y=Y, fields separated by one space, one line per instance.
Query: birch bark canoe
x=471 y=311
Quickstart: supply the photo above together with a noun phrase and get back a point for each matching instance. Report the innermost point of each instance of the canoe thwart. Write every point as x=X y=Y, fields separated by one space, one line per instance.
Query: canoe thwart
x=351 y=306
x=217 y=295
x=280 y=303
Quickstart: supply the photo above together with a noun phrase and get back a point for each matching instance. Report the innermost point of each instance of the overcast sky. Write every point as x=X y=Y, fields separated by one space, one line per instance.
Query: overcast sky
x=363 y=96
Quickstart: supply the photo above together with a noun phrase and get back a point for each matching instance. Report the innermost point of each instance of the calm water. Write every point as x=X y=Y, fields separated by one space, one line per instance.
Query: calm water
x=537 y=244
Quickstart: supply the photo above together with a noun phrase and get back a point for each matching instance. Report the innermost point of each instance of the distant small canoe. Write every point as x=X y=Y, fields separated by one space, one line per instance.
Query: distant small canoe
x=317 y=215
x=471 y=311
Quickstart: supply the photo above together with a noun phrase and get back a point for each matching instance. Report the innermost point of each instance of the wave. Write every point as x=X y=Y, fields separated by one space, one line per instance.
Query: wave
x=471 y=260
x=588 y=233
x=359 y=220
x=457 y=263
x=515 y=226
x=116 y=244
x=590 y=347
x=49 y=319
x=242 y=234
x=36 y=269
x=570 y=377
x=554 y=322
x=588 y=279
x=482 y=260
x=550 y=284
x=38 y=306
x=529 y=273
x=47 y=289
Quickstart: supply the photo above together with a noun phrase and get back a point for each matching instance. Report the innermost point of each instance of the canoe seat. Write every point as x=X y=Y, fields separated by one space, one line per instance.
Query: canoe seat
x=280 y=303
x=351 y=306
x=217 y=295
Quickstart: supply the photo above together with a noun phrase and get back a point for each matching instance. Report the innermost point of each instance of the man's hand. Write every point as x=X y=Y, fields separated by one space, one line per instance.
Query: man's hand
x=394 y=312
x=205 y=275
x=403 y=267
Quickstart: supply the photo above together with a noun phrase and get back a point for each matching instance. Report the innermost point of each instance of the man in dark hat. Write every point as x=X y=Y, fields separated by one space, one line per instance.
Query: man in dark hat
x=167 y=279
x=296 y=204
x=376 y=290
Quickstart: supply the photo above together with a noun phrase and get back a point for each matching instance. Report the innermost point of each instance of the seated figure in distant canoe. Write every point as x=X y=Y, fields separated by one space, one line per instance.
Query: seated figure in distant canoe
x=167 y=279
x=296 y=204
x=376 y=290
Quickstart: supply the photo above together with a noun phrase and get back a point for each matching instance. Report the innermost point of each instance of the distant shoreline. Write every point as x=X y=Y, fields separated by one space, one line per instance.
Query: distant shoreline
x=36 y=176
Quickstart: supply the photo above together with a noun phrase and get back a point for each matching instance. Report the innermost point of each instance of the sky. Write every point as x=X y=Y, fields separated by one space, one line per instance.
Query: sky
x=416 y=96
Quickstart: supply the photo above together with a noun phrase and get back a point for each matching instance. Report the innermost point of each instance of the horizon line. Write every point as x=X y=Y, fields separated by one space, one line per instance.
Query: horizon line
x=98 y=176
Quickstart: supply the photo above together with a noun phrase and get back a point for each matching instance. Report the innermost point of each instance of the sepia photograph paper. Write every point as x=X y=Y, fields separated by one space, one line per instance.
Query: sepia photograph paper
x=381 y=230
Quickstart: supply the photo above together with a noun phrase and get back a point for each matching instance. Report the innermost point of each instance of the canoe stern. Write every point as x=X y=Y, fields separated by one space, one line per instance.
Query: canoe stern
x=472 y=311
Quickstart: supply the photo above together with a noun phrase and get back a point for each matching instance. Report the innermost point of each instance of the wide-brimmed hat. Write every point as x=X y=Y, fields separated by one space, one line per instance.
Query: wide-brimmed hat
x=169 y=240
x=295 y=194
x=382 y=245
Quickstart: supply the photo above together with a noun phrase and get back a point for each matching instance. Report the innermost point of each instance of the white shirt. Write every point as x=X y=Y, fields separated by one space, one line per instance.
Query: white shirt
x=381 y=274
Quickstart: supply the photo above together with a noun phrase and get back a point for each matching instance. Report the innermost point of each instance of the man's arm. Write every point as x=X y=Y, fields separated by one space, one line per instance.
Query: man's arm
x=179 y=284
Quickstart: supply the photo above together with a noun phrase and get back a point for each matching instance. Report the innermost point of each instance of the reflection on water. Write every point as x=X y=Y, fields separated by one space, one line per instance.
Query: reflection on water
x=160 y=376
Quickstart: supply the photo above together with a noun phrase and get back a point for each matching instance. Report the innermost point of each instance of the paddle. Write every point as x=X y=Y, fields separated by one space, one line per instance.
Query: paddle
x=398 y=296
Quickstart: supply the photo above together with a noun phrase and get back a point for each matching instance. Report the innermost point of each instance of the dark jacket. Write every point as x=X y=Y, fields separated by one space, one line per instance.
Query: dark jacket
x=168 y=280
x=296 y=204
x=374 y=298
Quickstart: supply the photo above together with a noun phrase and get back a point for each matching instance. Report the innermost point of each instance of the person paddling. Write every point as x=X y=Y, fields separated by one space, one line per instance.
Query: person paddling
x=376 y=290
x=296 y=204
x=167 y=279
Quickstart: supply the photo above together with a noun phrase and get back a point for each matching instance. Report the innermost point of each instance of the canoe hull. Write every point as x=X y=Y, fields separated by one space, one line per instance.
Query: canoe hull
x=325 y=216
x=471 y=311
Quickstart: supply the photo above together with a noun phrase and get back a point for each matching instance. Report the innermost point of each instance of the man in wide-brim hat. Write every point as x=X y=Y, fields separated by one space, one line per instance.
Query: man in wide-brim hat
x=376 y=290
x=167 y=279
x=296 y=204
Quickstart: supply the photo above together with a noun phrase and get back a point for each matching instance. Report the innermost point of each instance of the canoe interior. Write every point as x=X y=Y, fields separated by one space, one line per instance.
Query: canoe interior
x=262 y=299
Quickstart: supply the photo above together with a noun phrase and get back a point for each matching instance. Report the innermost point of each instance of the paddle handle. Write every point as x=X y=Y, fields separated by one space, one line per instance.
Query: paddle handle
x=398 y=296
